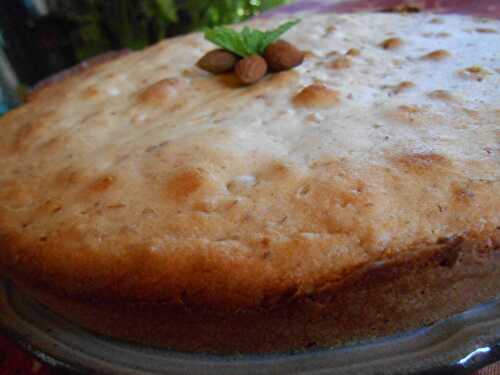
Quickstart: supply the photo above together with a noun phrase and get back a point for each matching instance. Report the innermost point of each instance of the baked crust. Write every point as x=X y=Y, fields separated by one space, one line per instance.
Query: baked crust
x=410 y=292
x=145 y=180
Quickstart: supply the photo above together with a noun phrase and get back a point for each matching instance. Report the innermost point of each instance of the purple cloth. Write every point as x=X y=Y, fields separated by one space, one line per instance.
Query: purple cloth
x=484 y=8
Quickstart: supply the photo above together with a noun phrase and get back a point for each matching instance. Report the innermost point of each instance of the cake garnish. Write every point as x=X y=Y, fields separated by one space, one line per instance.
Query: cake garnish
x=250 y=53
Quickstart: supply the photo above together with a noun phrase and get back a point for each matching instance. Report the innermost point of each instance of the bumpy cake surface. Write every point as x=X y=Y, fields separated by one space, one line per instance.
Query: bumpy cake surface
x=146 y=179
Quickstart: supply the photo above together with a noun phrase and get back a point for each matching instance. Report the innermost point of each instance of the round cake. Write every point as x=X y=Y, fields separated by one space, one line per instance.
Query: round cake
x=354 y=196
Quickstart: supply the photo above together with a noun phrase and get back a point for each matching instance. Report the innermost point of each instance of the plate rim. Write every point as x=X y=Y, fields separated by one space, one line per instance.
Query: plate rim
x=483 y=350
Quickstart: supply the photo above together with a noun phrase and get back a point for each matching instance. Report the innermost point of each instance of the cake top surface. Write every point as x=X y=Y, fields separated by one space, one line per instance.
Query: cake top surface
x=148 y=179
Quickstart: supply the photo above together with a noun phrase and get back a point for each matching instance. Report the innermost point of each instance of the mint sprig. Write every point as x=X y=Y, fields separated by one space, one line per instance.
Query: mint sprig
x=247 y=41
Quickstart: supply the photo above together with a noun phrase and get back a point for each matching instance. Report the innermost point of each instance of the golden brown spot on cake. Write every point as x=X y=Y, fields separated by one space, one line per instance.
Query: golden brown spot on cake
x=160 y=91
x=403 y=86
x=90 y=92
x=342 y=62
x=276 y=170
x=441 y=95
x=391 y=43
x=316 y=96
x=475 y=73
x=486 y=30
x=409 y=109
x=436 y=55
x=101 y=184
x=421 y=162
x=353 y=52
x=461 y=195
x=408 y=114
x=474 y=69
x=414 y=115
x=265 y=242
x=185 y=183
x=203 y=206
x=400 y=87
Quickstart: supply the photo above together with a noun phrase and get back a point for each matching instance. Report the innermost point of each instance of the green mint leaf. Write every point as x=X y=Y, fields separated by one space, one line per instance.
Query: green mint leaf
x=228 y=39
x=251 y=39
x=248 y=41
x=272 y=36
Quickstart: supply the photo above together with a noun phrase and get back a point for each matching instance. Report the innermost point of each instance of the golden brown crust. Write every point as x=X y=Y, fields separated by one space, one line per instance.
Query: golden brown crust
x=148 y=180
x=316 y=96
x=406 y=293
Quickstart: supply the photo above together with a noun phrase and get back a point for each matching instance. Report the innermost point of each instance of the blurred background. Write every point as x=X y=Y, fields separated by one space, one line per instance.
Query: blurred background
x=41 y=37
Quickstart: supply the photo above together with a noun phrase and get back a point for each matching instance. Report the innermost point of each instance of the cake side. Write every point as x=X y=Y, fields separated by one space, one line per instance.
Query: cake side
x=147 y=180
x=407 y=293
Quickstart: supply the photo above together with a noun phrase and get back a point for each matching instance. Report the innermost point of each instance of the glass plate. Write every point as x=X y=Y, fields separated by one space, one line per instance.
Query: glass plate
x=458 y=345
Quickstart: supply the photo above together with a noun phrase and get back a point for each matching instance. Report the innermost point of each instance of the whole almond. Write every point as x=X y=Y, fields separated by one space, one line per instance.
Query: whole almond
x=218 y=61
x=251 y=69
x=282 y=55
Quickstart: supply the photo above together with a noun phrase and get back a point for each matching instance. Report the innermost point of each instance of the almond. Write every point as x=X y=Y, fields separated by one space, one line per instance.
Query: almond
x=282 y=55
x=218 y=61
x=251 y=69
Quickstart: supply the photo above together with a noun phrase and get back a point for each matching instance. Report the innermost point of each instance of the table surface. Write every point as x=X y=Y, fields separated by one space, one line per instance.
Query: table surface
x=15 y=361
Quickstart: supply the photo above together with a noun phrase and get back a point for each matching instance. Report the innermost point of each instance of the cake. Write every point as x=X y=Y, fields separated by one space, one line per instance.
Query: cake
x=355 y=196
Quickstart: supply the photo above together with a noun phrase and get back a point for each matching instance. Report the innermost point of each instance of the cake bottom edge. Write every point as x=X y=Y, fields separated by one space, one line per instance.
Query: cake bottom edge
x=384 y=299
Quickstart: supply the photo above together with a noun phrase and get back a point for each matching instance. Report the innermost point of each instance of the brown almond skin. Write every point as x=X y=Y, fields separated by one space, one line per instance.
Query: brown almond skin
x=251 y=69
x=282 y=55
x=218 y=61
